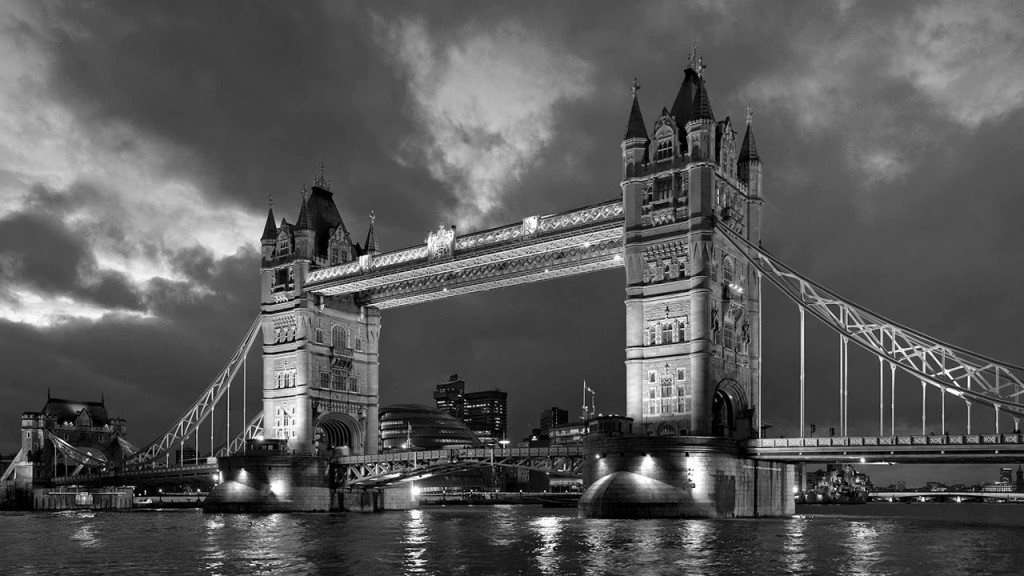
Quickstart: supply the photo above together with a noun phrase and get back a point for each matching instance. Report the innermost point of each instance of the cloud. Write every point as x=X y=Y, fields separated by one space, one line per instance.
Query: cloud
x=90 y=212
x=487 y=100
x=967 y=59
x=965 y=62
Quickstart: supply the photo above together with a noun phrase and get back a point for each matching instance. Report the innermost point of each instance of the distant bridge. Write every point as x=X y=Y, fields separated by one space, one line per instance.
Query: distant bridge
x=946 y=496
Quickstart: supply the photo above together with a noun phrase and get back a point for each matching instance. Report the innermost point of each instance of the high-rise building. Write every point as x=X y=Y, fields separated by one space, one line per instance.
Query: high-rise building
x=486 y=413
x=552 y=417
x=450 y=396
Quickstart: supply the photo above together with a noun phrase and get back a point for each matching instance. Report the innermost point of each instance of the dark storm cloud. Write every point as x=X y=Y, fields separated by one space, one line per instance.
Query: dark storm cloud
x=40 y=254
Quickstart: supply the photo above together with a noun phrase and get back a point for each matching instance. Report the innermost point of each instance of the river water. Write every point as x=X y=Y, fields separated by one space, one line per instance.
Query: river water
x=927 y=538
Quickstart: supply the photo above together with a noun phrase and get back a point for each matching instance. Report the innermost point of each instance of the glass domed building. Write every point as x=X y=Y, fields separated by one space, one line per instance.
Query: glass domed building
x=424 y=427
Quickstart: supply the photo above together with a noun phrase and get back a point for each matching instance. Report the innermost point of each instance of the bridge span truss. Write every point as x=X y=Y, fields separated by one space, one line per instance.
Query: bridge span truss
x=389 y=468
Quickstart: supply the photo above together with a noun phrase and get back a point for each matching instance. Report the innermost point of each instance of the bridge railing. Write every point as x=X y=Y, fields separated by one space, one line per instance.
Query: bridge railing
x=899 y=440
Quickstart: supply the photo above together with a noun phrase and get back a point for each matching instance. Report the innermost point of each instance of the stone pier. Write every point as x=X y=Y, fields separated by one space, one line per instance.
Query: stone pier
x=680 y=477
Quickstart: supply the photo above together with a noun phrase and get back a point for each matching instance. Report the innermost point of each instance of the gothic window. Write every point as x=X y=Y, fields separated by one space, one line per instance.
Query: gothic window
x=664 y=150
x=319 y=335
x=666 y=405
x=359 y=343
x=284 y=421
x=652 y=377
x=651 y=335
x=338 y=375
x=338 y=336
x=730 y=332
x=652 y=393
x=325 y=379
x=663 y=189
x=676 y=335
x=666 y=386
x=284 y=245
x=728 y=271
x=657 y=334
x=353 y=384
x=680 y=376
x=666 y=333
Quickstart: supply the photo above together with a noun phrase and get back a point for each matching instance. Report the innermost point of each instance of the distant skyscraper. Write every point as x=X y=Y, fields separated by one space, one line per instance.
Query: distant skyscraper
x=487 y=415
x=552 y=417
x=450 y=397
x=1006 y=475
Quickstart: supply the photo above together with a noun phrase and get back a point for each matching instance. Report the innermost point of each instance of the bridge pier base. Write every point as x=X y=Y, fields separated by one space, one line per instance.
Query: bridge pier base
x=267 y=482
x=399 y=497
x=681 y=477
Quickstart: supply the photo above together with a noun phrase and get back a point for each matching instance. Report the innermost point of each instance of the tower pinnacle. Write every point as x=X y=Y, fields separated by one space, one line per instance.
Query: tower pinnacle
x=371 y=236
x=635 y=128
x=748 y=151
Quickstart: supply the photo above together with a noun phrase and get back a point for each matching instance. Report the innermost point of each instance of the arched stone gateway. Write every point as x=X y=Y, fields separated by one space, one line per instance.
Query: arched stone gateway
x=731 y=415
x=337 y=430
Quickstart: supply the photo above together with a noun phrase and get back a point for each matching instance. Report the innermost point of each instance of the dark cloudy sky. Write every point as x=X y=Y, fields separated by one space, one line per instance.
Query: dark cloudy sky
x=139 y=142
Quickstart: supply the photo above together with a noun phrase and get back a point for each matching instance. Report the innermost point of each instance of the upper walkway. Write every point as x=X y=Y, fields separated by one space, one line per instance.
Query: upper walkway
x=540 y=247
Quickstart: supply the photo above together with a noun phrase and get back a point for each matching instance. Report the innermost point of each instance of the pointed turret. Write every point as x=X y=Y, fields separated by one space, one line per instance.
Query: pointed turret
x=304 y=222
x=748 y=152
x=636 y=141
x=636 y=127
x=304 y=233
x=701 y=105
x=270 y=229
x=371 y=237
x=700 y=130
x=269 y=240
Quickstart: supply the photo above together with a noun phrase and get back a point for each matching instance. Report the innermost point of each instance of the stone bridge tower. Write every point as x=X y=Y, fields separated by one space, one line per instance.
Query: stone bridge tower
x=320 y=360
x=693 y=354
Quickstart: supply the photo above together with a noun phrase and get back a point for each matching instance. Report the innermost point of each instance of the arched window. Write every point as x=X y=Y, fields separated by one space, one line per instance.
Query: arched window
x=319 y=335
x=666 y=333
x=339 y=338
x=728 y=271
x=664 y=149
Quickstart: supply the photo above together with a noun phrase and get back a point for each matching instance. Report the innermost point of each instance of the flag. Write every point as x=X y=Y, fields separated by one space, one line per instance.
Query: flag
x=589 y=389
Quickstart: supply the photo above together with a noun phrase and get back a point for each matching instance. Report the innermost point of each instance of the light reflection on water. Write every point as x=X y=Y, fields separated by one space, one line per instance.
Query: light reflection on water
x=898 y=539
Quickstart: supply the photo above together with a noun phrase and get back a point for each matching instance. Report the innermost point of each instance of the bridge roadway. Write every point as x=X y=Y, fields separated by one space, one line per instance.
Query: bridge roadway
x=950 y=449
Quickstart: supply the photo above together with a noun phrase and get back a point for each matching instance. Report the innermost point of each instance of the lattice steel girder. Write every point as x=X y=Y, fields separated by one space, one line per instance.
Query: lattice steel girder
x=894 y=449
x=603 y=256
x=201 y=408
x=966 y=374
x=253 y=429
x=585 y=235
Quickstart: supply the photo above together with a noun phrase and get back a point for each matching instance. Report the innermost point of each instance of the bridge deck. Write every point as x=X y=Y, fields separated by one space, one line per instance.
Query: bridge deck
x=894 y=449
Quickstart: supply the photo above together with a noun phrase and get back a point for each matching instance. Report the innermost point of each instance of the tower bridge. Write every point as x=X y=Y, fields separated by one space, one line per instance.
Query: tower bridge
x=686 y=230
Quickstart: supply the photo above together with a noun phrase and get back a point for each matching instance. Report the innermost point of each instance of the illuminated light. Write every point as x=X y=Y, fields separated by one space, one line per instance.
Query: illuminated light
x=862 y=460
x=616 y=258
x=546 y=270
x=259 y=438
x=586 y=244
x=444 y=290
x=796 y=490
x=277 y=487
x=415 y=490
x=597 y=456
